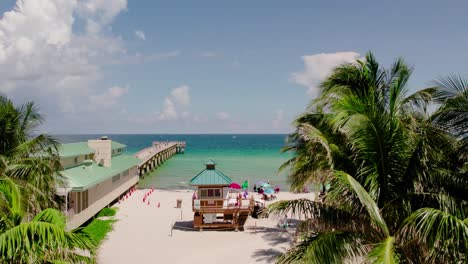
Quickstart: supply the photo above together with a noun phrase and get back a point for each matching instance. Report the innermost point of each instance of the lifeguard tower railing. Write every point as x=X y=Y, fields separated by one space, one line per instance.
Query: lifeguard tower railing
x=210 y=205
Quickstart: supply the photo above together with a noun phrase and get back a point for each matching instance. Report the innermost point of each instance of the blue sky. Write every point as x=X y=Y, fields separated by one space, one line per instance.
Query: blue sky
x=208 y=66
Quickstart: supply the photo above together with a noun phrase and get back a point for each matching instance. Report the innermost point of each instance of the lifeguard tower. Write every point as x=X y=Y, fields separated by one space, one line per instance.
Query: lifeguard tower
x=215 y=204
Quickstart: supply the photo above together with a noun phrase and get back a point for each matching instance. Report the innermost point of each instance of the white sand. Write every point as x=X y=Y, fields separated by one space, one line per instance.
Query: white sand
x=143 y=234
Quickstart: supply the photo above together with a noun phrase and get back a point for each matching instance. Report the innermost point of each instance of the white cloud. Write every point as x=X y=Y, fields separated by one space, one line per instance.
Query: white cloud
x=175 y=105
x=279 y=118
x=181 y=95
x=169 y=112
x=43 y=58
x=99 y=13
x=40 y=55
x=108 y=99
x=140 y=34
x=318 y=66
x=222 y=116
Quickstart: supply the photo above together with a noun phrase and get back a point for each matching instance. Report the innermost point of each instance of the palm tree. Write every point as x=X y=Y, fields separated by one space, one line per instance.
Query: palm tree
x=29 y=158
x=394 y=195
x=41 y=240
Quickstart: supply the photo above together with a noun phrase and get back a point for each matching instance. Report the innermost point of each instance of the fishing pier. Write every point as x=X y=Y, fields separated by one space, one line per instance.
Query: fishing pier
x=158 y=153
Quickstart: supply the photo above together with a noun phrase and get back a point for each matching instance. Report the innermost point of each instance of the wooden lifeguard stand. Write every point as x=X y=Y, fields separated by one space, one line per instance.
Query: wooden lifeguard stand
x=215 y=205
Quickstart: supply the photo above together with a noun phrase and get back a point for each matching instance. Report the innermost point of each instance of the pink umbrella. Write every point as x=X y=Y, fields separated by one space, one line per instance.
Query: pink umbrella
x=235 y=185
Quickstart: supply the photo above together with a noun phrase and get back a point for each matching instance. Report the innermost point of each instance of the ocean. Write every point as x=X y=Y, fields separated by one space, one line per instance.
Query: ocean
x=241 y=157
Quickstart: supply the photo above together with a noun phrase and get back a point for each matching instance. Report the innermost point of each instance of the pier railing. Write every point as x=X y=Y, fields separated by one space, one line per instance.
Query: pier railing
x=159 y=152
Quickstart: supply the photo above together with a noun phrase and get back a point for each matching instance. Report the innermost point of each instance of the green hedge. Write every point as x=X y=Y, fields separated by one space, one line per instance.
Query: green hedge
x=108 y=211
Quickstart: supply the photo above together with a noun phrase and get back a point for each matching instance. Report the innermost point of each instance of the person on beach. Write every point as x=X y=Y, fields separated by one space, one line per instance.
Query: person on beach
x=255 y=188
x=194 y=196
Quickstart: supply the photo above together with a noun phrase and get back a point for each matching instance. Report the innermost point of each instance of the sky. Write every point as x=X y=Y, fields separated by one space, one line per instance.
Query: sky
x=152 y=67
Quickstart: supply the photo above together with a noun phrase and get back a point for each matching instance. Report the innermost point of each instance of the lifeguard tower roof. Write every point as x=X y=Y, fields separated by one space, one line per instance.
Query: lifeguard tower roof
x=210 y=176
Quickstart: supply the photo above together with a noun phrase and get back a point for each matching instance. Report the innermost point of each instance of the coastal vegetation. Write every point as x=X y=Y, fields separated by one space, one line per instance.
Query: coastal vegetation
x=32 y=228
x=98 y=229
x=392 y=166
x=107 y=211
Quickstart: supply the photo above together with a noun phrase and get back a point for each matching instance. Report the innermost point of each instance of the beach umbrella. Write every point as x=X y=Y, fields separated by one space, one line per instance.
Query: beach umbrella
x=269 y=191
x=235 y=185
x=265 y=185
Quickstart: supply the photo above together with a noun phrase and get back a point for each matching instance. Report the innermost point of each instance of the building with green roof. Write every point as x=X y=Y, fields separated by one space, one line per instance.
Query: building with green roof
x=96 y=173
x=210 y=176
x=215 y=204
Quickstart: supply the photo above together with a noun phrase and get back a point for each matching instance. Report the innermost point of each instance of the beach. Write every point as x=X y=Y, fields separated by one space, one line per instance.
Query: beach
x=143 y=233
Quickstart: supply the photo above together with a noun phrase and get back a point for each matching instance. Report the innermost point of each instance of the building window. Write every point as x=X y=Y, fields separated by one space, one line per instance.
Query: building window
x=76 y=160
x=116 y=178
x=86 y=156
x=210 y=193
x=125 y=173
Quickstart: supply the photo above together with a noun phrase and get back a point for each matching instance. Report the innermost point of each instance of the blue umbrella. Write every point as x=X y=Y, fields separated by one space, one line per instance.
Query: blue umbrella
x=269 y=191
x=265 y=185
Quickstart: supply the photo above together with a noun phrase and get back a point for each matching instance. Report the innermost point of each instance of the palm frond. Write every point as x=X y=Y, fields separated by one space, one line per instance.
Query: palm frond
x=330 y=247
x=348 y=182
x=384 y=252
x=445 y=235
x=52 y=216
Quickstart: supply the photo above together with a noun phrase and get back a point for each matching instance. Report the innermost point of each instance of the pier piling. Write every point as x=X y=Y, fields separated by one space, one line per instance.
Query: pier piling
x=152 y=157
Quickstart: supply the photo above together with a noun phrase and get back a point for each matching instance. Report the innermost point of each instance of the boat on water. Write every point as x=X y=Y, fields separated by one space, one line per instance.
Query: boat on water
x=234 y=137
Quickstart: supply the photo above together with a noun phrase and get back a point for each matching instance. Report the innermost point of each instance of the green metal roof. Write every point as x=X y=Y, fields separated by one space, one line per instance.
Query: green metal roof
x=83 y=177
x=74 y=149
x=117 y=145
x=210 y=162
x=81 y=148
x=210 y=177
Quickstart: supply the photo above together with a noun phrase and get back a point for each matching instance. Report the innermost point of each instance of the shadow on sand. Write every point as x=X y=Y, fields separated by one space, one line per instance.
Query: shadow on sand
x=188 y=226
x=272 y=235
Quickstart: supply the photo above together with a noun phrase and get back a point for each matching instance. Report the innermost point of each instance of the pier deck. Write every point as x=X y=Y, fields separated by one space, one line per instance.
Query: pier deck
x=157 y=154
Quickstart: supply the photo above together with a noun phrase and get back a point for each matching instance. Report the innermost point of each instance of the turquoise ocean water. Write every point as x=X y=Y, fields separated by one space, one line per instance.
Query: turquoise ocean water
x=241 y=157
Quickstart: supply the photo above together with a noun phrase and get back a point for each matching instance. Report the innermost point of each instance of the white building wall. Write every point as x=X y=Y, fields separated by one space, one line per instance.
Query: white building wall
x=103 y=150
x=101 y=196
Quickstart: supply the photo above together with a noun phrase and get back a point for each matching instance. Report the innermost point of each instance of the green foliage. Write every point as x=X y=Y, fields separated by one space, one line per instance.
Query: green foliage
x=41 y=240
x=31 y=231
x=384 y=253
x=108 y=211
x=98 y=229
x=397 y=173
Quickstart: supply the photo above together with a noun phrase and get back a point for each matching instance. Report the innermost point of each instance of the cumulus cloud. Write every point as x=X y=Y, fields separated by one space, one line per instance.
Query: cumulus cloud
x=181 y=95
x=318 y=66
x=169 y=112
x=99 y=13
x=279 y=118
x=41 y=58
x=140 y=34
x=175 y=105
x=222 y=116
x=107 y=99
